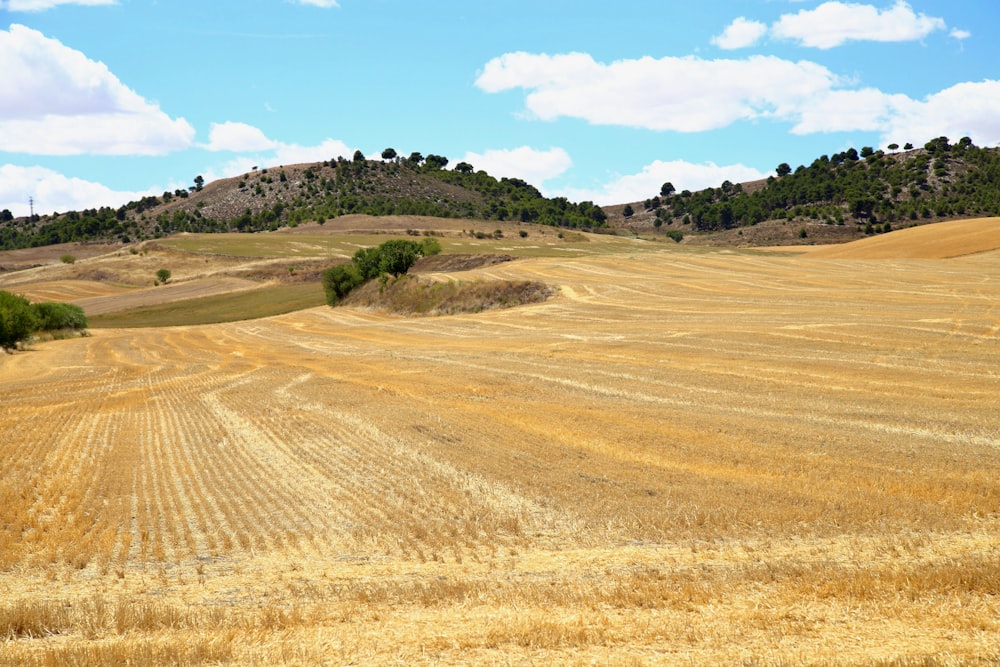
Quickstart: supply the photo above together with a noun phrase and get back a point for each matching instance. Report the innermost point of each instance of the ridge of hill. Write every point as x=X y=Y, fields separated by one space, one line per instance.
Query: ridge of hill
x=268 y=199
x=837 y=198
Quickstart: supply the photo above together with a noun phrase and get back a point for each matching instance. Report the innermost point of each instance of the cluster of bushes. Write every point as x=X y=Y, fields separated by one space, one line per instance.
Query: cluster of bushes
x=393 y=258
x=20 y=319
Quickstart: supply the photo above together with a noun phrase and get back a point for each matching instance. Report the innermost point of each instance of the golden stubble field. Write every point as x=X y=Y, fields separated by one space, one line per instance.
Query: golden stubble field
x=710 y=457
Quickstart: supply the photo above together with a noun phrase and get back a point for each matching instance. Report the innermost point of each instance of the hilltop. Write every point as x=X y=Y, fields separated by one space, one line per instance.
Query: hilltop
x=837 y=198
x=287 y=196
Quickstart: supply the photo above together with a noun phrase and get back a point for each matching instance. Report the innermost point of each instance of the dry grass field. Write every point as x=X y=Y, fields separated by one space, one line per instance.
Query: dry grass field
x=694 y=458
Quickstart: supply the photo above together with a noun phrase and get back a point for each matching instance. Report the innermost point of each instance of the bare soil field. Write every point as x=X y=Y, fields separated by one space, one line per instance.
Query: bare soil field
x=711 y=457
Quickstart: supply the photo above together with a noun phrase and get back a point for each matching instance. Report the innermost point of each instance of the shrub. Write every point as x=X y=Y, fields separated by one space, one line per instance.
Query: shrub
x=17 y=320
x=339 y=280
x=676 y=235
x=163 y=275
x=67 y=259
x=52 y=316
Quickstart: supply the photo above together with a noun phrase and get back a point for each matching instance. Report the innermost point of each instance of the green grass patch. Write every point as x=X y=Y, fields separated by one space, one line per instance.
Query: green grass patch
x=253 y=304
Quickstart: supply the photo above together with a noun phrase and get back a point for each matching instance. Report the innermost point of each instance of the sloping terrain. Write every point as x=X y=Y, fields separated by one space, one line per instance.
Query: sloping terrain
x=939 y=241
x=695 y=458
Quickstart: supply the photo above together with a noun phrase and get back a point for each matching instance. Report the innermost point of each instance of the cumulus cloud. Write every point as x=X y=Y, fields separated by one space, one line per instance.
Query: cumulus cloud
x=959 y=34
x=532 y=165
x=965 y=109
x=42 y=5
x=53 y=191
x=238 y=138
x=740 y=34
x=646 y=183
x=835 y=23
x=695 y=95
x=682 y=94
x=56 y=101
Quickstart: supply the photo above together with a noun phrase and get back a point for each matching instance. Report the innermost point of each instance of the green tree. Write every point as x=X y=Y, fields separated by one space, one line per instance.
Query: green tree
x=464 y=167
x=628 y=211
x=359 y=156
x=667 y=189
x=389 y=154
x=339 y=280
x=199 y=182
x=17 y=320
x=436 y=161
x=52 y=316
x=784 y=169
x=163 y=276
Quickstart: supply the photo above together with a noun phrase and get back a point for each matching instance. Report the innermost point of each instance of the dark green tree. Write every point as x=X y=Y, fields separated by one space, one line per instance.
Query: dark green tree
x=667 y=189
x=199 y=182
x=628 y=212
x=784 y=169
x=464 y=167
x=436 y=161
x=389 y=154
x=339 y=280
x=17 y=320
x=359 y=156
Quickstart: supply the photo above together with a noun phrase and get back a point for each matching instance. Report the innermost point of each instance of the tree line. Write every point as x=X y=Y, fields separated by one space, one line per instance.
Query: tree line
x=870 y=187
x=413 y=185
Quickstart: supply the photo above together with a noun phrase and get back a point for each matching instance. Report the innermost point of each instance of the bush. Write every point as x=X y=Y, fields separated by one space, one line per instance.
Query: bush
x=67 y=259
x=53 y=316
x=17 y=320
x=339 y=280
x=676 y=235
x=163 y=275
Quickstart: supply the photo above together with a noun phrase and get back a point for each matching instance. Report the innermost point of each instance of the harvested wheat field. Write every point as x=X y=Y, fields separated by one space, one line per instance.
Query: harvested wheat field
x=683 y=458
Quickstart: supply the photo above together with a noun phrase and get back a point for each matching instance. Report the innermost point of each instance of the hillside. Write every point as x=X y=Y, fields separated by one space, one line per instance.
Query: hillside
x=837 y=198
x=287 y=196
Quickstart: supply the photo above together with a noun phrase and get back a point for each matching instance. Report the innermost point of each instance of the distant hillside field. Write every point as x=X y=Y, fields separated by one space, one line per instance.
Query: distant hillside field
x=939 y=241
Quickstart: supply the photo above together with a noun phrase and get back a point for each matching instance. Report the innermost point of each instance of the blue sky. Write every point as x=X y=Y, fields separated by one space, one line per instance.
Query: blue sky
x=104 y=101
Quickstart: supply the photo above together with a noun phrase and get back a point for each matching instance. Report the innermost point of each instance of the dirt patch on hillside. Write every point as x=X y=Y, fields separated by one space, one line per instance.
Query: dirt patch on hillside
x=451 y=263
x=410 y=295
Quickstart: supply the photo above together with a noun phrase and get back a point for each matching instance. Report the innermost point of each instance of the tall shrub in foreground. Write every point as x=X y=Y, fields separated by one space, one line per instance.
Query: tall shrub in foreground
x=17 y=320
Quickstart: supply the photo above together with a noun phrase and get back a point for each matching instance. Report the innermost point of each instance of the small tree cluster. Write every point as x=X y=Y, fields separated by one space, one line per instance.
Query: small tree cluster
x=19 y=318
x=394 y=257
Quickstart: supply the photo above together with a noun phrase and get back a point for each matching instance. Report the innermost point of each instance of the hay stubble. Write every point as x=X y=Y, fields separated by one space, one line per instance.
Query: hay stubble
x=703 y=458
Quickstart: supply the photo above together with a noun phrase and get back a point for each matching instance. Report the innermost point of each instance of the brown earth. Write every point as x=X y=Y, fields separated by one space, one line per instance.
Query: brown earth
x=687 y=457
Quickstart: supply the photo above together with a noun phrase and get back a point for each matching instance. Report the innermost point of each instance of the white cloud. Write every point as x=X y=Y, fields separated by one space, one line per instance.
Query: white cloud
x=319 y=3
x=41 y=5
x=647 y=183
x=740 y=34
x=681 y=94
x=959 y=34
x=56 y=101
x=529 y=164
x=238 y=138
x=53 y=191
x=965 y=109
x=835 y=23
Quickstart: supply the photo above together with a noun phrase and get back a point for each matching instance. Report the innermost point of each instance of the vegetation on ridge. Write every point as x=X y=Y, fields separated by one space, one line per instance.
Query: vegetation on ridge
x=288 y=196
x=872 y=189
